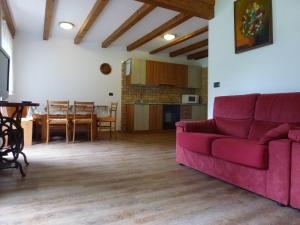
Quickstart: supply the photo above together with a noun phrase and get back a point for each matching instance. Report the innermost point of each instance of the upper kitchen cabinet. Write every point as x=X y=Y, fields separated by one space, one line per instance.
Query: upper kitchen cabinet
x=167 y=74
x=194 y=76
x=162 y=73
x=152 y=71
x=181 y=75
x=136 y=71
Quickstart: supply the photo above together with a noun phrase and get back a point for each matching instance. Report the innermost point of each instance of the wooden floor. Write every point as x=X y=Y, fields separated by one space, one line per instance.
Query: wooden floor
x=131 y=180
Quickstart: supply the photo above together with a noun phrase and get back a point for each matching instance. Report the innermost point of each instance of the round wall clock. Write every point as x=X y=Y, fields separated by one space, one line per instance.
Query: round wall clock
x=105 y=68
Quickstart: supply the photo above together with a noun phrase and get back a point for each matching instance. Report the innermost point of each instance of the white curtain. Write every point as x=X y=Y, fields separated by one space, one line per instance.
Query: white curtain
x=7 y=45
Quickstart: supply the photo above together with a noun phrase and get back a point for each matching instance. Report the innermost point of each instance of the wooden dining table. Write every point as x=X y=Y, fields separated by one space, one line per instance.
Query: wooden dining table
x=41 y=121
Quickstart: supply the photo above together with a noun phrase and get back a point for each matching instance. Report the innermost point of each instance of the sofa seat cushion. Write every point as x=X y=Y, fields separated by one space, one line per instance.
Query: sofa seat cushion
x=242 y=151
x=197 y=142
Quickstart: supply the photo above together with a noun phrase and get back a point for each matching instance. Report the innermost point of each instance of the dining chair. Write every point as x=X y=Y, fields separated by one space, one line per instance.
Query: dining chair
x=83 y=114
x=110 y=121
x=57 y=115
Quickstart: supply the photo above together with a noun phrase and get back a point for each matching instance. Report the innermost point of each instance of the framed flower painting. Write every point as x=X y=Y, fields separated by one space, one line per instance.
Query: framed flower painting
x=252 y=24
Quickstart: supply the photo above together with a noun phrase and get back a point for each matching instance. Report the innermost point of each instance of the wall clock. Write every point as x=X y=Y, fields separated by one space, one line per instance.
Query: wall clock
x=105 y=68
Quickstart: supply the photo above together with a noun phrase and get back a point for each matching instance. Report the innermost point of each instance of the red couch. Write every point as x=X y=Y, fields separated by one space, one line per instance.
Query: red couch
x=234 y=145
x=294 y=135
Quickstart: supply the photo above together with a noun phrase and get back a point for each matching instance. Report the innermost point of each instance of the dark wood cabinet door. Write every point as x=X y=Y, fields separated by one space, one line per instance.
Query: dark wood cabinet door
x=152 y=73
x=186 y=112
x=129 y=117
x=155 y=117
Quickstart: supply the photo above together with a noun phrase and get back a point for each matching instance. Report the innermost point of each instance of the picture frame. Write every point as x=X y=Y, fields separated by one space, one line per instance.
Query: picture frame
x=253 y=24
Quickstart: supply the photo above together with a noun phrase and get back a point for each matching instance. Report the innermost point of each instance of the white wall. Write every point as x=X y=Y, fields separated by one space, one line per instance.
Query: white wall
x=57 y=69
x=274 y=68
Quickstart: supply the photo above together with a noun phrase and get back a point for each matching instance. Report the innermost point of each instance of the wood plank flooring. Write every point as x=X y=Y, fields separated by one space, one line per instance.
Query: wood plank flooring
x=129 y=180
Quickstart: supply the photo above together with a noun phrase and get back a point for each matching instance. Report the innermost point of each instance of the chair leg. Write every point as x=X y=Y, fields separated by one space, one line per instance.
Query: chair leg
x=110 y=129
x=91 y=131
x=115 y=127
x=47 y=138
x=74 y=132
x=99 y=129
x=67 y=133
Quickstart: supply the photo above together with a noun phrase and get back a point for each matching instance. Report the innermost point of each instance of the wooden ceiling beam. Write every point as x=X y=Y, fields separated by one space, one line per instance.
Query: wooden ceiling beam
x=180 y=40
x=198 y=55
x=91 y=18
x=175 y=21
x=189 y=48
x=8 y=17
x=200 y=8
x=143 y=11
x=49 y=11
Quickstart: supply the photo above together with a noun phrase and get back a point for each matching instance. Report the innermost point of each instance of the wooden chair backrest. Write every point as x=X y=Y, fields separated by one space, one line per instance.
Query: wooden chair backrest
x=113 y=109
x=83 y=109
x=57 y=109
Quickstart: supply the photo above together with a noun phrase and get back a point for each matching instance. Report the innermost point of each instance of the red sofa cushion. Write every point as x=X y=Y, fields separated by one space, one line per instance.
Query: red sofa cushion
x=197 y=142
x=280 y=132
x=233 y=114
x=280 y=108
x=242 y=151
x=259 y=128
x=235 y=107
x=233 y=127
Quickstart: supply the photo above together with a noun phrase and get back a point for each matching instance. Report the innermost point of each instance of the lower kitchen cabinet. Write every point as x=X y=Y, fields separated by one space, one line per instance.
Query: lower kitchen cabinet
x=141 y=117
x=193 y=112
x=199 y=112
x=137 y=117
x=185 y=112
x=155 y=117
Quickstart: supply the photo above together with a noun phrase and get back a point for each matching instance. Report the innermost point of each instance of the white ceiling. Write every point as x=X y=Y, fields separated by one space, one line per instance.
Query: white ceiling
x=29 y=17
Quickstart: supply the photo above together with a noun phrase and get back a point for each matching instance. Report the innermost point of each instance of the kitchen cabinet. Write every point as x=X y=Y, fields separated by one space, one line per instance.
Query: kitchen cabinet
x=141 y=117
x=194 y=76
x=185 y=112
x=136 y=71
x=193 y=112
x=162 y=73
x=129 y=117
x=181 y=75
x=199 y=112
x=155 y=117
x=152 y=73
x=137 y=117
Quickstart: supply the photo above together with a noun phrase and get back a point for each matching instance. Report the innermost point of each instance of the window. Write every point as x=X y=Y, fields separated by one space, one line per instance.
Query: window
x=7 y=45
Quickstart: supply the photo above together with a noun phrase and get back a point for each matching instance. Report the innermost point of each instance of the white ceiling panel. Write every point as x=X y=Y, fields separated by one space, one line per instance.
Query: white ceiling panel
x=29 y=17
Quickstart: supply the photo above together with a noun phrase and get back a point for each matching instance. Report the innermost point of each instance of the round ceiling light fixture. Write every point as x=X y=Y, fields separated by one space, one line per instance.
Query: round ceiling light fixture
x=169 y=37
x=66 y=25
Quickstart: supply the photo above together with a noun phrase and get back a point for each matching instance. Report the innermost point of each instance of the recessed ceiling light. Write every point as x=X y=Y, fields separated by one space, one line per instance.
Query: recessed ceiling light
x=169 y=37
x=66 y=25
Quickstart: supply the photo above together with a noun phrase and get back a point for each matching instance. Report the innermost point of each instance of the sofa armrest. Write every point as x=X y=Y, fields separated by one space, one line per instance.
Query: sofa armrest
x=294 y=135
x=278 y=174
x=205 y=126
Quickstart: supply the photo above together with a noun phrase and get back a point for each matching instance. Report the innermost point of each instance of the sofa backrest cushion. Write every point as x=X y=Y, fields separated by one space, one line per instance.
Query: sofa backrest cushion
x=233 y=114
x=272 y=110
x=280 y=108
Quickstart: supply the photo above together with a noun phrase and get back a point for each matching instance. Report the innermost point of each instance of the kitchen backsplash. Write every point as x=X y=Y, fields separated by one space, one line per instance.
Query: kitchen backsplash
x=161 y=94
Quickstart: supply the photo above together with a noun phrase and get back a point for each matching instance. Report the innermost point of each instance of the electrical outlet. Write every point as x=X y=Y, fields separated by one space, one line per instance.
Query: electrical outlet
x=110 y=94
x=217 y=84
